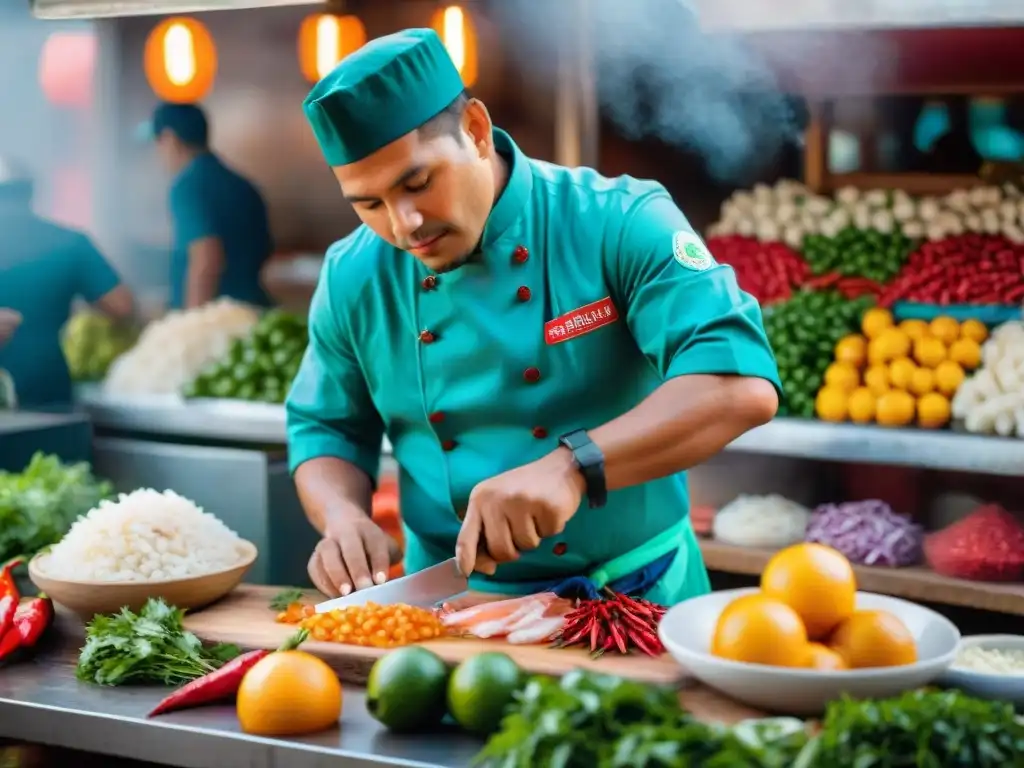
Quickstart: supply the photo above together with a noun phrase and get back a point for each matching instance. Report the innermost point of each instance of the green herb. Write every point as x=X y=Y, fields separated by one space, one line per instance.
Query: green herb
x=38 y=505
x=149 y=647
x=920 y=729
x=283 y=599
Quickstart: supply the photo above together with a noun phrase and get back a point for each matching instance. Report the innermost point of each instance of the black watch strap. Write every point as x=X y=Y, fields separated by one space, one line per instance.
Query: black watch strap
x=590 y=461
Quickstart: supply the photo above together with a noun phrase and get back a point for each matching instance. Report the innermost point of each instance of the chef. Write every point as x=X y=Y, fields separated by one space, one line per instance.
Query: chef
x=43 y=268
x=546 y=349
x=221 y=232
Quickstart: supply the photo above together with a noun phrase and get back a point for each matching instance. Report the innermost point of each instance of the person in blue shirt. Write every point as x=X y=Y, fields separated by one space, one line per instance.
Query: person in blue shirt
x=44 y=267
x=221 y=231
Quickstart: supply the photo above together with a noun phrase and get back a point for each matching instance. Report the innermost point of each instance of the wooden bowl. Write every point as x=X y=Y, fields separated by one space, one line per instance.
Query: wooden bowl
x=87 y=598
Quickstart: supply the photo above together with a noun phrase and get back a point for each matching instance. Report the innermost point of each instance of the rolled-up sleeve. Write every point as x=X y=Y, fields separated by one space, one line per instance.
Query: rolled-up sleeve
x=96 y=278
x=329 y=409
x=685 y=311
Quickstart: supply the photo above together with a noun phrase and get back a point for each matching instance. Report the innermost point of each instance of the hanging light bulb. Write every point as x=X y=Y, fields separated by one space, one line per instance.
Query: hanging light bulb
x=455 y=27
x=325 y=39
x=179 y=55
x=180 y=60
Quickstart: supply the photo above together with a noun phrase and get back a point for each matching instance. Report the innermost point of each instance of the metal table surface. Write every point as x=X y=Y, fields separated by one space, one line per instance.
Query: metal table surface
x=41 y=702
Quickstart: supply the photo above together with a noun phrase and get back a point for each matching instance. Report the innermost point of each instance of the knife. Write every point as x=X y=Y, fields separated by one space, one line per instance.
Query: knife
x=424 y=589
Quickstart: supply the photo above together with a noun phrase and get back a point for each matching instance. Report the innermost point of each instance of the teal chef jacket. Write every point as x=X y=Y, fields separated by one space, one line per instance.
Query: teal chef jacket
x=587 y=295
x=43 y=268
x=208 y=199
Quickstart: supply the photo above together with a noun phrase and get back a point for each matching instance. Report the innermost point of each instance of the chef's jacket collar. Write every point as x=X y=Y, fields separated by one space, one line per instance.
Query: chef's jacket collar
x=510 y=204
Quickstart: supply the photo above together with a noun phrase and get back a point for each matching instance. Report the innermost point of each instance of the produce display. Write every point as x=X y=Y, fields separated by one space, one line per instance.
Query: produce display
x=867 y=533
x=259 y=367
x=761 y=521
x=172 y=351
x=39 y=504
x=770 y=272
x=987 y=545
x=92 y=341
x=804 y=615
x=143 y=536
x=992 y=400
x=869 y=253
x=895 y=375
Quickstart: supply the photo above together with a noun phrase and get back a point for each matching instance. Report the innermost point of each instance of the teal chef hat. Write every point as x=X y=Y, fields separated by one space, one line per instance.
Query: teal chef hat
x=389 y=87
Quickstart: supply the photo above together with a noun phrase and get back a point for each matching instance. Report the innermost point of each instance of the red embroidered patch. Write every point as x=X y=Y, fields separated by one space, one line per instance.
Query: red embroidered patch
x=589 y=318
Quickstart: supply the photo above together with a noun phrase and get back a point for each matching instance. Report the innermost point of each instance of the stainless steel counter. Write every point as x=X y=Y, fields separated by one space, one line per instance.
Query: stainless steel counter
x=42 y=702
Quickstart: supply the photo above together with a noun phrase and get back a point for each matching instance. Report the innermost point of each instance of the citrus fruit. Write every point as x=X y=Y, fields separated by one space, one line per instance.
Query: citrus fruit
x=895 y=343
x=875 y=321
x=874 y=639
x=757 y=629
x=822 y=657
x=974 y=330
x=915 y=329
x=407 y=689
x=842 y=376
x=480 y=690
x=830 y=404
x=861 y=406
x=288 y=693
x=901 y=370
x=894 y=408
x=876 y=378
x=945 y=329
x=948 y=377
x=967 y=352
x=933 y=411
x=852 y=349
x=922 y=381
x=929 y=351
x=815 y=581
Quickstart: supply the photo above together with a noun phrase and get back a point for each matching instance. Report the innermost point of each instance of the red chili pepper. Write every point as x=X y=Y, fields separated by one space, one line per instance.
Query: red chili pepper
x=617 y=636
x=7 y=584
x=33 y=618
x=8 y=606
x=222 y=683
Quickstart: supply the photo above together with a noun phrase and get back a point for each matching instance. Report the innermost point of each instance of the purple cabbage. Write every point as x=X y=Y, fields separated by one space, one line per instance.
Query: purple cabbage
x=868 y=533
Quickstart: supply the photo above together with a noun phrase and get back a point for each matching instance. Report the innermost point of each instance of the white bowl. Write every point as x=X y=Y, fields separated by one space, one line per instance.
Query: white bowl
x=988 y=686
x=687 y=629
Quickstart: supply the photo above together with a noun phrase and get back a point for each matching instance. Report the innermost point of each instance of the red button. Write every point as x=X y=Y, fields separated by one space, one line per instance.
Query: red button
x=429 y=283
x=427 y=337
x=520 y=254
x=448 y=445
x=540 y=433
x=560 y=548
x=523 y=294
x=532 y=375
x=436 y=417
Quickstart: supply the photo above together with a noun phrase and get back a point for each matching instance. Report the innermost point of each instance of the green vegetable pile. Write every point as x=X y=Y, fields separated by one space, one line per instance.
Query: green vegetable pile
x=803 y=333
x=151 y=646
x=92 y=341
x=39 y=504
x=260 y=368
x=594 y=721
x=853 y=252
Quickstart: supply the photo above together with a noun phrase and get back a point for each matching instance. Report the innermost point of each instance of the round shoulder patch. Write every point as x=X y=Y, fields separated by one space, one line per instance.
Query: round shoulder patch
x=689 y=250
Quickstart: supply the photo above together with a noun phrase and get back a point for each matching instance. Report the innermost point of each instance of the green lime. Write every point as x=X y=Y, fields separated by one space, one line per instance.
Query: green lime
x=406 y=689
x=480 y=690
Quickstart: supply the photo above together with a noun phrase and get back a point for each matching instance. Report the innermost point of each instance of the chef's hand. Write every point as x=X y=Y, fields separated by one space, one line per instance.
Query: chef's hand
x=9 y=322
x=353 y=554
x=512 y=512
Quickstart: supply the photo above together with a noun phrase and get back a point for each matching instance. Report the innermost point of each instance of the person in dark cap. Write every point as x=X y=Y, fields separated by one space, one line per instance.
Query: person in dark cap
x=44 y=267
x=221 y=231
x=546 y=349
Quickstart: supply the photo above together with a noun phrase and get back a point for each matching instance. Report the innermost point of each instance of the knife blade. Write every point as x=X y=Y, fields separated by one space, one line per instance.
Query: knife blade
x=424 y=589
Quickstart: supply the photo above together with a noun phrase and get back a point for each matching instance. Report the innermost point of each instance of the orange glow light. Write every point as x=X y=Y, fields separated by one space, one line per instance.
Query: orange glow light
x=180 y=60
x=325 y=39
x=455 y=26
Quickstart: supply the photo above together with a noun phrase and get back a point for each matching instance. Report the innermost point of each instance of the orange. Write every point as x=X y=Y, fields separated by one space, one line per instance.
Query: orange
x=929 y=351
x=874 y=639
x=974 y=330
x=915 y=329
x=876 y=378
x=901 y=370
x=842 y=376
x=945 y=329
x=875 y=321
x=289 y=693
x=894 y=409
x=933 y=411
x=758 y=630
x=852 y=349
x=922 y=381
x=948 y=377
x=830 y=404
x=967 y=352
x=815 y=581
x=822 y=657
x=861 y=406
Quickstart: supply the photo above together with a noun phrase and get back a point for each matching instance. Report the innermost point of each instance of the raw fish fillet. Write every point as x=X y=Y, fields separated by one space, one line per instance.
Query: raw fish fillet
x=488 y=611
x=532 y=619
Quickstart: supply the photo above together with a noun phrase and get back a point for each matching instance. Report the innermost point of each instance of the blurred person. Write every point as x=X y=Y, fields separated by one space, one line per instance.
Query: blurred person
x=44 y=267
x=221 y=231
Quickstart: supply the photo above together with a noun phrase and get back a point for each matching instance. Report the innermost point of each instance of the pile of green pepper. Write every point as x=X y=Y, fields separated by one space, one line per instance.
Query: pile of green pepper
x=803 y=333
x=854 y=252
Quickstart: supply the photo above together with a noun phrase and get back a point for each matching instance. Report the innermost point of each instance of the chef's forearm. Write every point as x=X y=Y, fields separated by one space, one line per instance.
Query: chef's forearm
x=205 y=264
x=331 y=489
x=684 y=422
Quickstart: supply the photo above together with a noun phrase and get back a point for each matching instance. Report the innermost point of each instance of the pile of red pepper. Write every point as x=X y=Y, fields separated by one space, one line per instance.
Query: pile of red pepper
x=987 y=545
x=768 y=271
x=618 y=623
x=967 y=269
x=21 y=623
x=848 y=286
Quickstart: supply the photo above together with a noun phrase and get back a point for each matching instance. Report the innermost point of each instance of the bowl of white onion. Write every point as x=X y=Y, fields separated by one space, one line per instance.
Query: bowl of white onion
x=990 y=667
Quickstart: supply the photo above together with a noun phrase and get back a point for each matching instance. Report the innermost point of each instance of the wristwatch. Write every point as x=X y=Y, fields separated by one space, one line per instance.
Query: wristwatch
x=590 y=461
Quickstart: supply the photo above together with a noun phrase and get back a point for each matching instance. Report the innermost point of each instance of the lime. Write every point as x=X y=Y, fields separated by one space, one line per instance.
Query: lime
x=406 y=689
x=480 y=690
